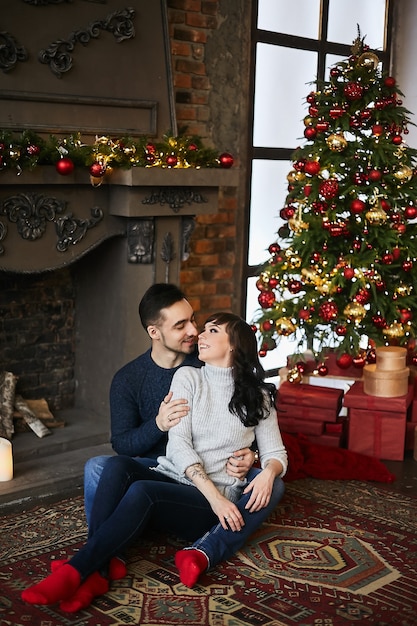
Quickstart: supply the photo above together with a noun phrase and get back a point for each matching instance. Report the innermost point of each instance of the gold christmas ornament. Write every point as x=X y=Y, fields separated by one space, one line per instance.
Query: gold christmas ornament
x=297 y=224
x=336 y=142
x=376 y=215
x=368 y=60
x=404 y=174
x=294 y=376
x=394 y=331
x=355 y=312
x=294 y=176
x=284 y=326
x=295 y=261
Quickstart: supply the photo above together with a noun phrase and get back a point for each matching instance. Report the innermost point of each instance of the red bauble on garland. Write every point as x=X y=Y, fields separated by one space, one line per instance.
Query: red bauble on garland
x=171 y=160
x=226 y=160
x=322 y=370
x=344 y=361
x=64 y=166
x=97 y=170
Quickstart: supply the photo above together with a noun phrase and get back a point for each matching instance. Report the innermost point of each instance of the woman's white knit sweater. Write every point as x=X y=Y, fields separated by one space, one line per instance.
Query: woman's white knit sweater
x=210 y=433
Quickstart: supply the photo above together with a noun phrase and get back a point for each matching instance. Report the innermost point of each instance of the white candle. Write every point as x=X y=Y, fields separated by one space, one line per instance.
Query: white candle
x=6 y=460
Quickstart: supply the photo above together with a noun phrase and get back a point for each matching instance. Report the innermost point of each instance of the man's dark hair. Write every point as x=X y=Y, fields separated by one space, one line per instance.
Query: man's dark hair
x=159 y=296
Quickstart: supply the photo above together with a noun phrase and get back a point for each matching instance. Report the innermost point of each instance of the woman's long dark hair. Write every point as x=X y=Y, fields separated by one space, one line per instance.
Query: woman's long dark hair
x=249 y=401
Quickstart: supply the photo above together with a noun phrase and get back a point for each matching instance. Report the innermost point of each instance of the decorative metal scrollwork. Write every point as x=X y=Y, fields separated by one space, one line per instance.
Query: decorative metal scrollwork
x=71 y=230
x=140 y=240
x=167 y=253
x=31 y=212
x=58 y=56
x=10 y=52
x=187 y=228
x=175 y=197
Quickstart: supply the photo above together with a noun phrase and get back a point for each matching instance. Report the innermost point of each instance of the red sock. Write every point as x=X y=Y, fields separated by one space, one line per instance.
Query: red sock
x=190 y=563
x=59 y=585
x=95 y=585
x=117 y=567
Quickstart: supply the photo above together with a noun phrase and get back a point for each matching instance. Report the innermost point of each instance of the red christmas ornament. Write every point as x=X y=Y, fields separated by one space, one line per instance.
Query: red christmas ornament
x=329 y=188
x=344 y=361
x=301 y=366
x=410 y=212
x=397 y=140
x=406 y=315
x=192 y=147
x=226 y=160
x=312 y=167
x=357 y=206
x=171 y=160
x=336 y=112
x=307 y=190
x=371 y=356
x=295 y=286
x=377 y=130
x=310 y=133
x=266 y=299
x=379 y=321
x=97 y=170
x=353 y=91
x=389 y=81
x=322 y=126
x=150 y=147
x=328 y=311
x=33 y=150
x=274 y=248
x=267 y=325
x=374 y=176
x=304 y=314
x=273 y=282
x=64 y=166
x=359 y=360
x=322 y=370
x=348 y=273
x=407 y=265
x=387 y=258
x=341 y=330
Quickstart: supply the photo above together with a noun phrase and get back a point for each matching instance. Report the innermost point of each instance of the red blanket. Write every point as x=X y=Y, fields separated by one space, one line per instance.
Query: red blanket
x=325 y=462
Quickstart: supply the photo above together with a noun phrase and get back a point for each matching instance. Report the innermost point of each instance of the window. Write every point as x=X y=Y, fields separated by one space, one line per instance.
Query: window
x=292 y=45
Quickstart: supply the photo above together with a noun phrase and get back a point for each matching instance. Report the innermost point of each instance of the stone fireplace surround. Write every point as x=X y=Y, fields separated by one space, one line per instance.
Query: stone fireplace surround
x=115 y=240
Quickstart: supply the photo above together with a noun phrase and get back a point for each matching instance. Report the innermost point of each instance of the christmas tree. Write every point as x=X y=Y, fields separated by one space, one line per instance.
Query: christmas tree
x=342 y=272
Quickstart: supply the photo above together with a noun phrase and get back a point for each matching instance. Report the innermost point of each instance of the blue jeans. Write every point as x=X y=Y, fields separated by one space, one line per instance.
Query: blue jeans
x=92 y=472
x=130 y=497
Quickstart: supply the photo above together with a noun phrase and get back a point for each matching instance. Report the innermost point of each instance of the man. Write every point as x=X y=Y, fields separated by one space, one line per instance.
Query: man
x=141 y=407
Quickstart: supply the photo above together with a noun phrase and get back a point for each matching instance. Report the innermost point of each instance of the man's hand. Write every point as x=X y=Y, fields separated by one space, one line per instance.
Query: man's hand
x=171 y=412
x=239 y=464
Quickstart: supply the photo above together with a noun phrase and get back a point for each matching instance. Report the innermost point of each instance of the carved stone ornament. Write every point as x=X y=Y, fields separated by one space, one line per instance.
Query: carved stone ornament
x=31 y=212
x=10 y=52
x=58 y=57
x=140 y=240
x=175 y=197
x=3 y=233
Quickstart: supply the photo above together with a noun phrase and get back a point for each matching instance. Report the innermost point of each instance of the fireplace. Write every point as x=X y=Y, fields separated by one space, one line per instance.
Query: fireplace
x=74 y=262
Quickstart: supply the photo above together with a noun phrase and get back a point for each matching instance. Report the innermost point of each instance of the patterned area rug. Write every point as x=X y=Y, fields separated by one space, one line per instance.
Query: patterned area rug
x=334 y=553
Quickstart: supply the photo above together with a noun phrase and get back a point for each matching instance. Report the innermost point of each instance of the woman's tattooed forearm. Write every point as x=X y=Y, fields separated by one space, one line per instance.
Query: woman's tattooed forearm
x=197 y=471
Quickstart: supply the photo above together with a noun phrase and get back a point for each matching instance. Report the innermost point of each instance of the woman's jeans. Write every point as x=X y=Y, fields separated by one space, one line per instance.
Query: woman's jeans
x=131 y=497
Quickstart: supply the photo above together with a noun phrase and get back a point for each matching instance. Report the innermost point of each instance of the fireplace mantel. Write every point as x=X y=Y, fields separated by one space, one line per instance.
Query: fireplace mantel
x=49 y=221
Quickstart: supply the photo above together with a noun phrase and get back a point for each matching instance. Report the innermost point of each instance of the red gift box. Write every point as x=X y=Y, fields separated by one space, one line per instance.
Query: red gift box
x=334 y=440
x=380 y=434
x=413 y=412
x=358 y=399
x=310 y=396
x=311 y=413
x=289 y=424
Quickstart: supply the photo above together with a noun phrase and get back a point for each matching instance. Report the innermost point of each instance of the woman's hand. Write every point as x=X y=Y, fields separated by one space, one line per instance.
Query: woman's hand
x=228 y=513
x=261 y=486
x=239 y=464
x=171 y=412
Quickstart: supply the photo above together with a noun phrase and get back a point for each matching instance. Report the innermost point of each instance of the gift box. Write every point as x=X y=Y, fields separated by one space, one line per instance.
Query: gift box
x=311 y=413
x=385 y=383
x=290 y=424
x=334 y=440
x=410 y=433
x=376 y=433
x=310 y=396
x=357 y=398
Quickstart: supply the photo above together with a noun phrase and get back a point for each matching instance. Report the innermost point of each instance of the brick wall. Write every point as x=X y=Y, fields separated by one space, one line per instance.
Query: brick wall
x=207 y=277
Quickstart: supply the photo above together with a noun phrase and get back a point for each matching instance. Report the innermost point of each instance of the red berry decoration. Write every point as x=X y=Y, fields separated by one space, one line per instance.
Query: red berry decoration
x=97 y=170
x=64 y=166
x=328 y=311
x=226 y=160
x=344 y=361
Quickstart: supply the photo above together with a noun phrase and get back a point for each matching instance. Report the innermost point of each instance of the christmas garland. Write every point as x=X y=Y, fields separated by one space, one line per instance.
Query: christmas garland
x=28 y=150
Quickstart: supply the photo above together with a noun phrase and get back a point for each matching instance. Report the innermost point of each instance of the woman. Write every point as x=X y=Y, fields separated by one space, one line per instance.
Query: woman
x=189 y=492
